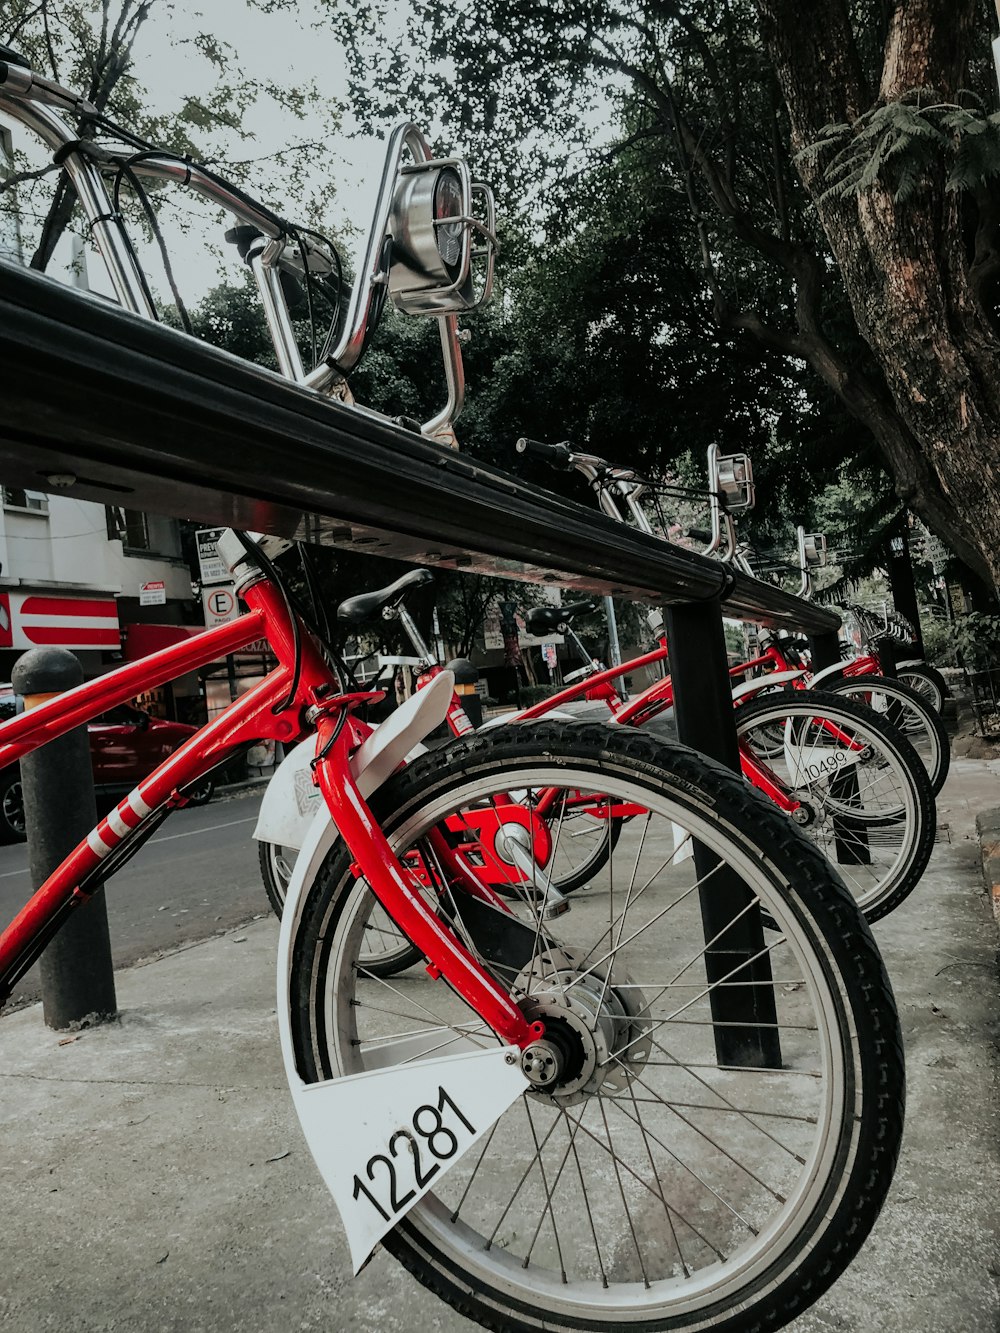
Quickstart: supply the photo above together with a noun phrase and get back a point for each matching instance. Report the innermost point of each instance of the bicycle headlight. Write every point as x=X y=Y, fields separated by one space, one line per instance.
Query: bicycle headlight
x=448 y=212
x=734 y=478
x=442 y=228
x=814 y=548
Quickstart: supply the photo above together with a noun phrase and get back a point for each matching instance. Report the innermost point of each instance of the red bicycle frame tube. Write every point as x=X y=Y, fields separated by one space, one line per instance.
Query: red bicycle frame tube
x=600 y=678
x=395 y=891
x=655 y=699
x=250 y=718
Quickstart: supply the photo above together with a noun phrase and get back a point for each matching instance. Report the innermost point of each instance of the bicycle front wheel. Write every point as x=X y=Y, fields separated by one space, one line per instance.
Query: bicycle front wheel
x=908 y=712
x=724 y=1122
x=927 y=681
x=854 y=785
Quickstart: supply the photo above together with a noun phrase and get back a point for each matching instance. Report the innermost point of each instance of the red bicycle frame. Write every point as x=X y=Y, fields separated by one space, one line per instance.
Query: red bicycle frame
x=655 y=699
x=257 y=714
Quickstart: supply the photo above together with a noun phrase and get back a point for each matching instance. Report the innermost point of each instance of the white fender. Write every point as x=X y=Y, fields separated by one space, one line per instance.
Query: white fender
x=291 y=799
x=837 y=669
x=347 y=1121
x=502 y=719
x=762 y=683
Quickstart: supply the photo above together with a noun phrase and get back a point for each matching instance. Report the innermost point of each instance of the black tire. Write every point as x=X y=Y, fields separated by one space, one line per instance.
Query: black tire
x=200 y=792
x=881 y=839
x=11 y=807
x=275 y=872
x=928 y=683
x=390 y=952
x=908 y=711
x=780 y=1271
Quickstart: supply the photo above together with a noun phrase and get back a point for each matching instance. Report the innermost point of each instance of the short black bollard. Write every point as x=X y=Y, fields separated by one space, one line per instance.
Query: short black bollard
x=59 y=810
x=466 y=678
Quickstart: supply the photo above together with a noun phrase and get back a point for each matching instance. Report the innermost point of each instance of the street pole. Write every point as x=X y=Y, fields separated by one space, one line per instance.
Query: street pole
x=900 y=570
x=614 y=647
x=57 y=782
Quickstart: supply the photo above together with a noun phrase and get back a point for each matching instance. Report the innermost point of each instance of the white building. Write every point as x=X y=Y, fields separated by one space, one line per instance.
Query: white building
x=78 y=574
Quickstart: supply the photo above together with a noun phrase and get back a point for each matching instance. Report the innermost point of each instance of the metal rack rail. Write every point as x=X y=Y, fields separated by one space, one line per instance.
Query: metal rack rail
x=142 y=415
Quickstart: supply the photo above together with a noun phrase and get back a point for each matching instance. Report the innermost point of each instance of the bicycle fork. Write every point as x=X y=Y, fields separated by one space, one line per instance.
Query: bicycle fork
x=352 y=1122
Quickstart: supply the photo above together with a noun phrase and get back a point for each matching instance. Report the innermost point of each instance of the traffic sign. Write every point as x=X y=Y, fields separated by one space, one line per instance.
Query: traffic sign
x=153 y=593
x=219 y=605
x=213 y=570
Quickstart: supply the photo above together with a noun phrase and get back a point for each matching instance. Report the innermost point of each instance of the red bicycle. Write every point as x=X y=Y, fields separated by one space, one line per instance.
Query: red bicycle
x=641 y=1112
x=670 y=1122
x=838 y=769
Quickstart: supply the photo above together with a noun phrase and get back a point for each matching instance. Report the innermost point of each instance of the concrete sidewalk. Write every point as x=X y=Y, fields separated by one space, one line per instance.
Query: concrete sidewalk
x=154 y=1178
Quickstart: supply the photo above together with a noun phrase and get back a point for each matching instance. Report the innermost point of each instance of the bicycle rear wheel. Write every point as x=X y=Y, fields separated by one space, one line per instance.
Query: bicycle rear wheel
x=687 y=1170
x=861 y=793
x=386 y=950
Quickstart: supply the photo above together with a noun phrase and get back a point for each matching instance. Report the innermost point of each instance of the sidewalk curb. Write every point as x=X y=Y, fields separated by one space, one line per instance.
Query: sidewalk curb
x=988 y=830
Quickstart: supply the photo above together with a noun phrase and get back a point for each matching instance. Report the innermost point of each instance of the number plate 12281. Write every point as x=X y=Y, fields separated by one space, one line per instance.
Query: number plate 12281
x=383 y=1139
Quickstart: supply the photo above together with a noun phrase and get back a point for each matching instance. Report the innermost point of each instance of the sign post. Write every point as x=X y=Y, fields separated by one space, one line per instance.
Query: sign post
x=219 y=605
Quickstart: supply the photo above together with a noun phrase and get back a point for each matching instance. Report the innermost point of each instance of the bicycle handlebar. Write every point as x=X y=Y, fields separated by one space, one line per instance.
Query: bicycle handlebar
x=40 y=105
x=556 y=455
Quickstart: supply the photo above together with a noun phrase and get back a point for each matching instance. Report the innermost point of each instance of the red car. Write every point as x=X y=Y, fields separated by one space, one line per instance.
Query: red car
x=126 y=744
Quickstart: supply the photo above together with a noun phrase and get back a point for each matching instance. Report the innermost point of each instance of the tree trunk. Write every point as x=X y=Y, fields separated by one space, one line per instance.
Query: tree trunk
x=904 y=266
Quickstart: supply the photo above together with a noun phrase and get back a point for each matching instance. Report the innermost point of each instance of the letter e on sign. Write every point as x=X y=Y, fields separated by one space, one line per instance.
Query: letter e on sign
x=219 y=604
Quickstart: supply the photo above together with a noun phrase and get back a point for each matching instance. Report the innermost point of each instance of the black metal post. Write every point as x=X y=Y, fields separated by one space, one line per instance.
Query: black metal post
x=466 y=679
x=887 y=654
x=825 y=649
x=899 y=566
x=59 y=810
x=746 y=1030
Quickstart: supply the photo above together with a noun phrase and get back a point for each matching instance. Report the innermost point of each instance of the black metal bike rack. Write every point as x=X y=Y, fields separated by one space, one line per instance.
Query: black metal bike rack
x=102 y=405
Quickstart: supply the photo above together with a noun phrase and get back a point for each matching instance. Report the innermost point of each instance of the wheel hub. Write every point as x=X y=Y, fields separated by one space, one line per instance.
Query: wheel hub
x=596 y=1028
x=805 y=814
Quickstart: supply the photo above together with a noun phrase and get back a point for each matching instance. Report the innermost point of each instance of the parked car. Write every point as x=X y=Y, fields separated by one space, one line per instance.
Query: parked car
x=126 y=744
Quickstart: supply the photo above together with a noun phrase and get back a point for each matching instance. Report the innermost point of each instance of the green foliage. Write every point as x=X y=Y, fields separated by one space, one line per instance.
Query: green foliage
x=978 y=638
x=92 y=46
x=900 y=144
x=939 y=642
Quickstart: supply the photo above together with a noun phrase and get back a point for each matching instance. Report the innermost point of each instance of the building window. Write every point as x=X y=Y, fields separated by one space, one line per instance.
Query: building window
x=15 y=498
x=128 y=526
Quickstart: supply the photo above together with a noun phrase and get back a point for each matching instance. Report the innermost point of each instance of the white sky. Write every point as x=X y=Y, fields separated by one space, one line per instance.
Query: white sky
x=278 y=47
x=283 y=46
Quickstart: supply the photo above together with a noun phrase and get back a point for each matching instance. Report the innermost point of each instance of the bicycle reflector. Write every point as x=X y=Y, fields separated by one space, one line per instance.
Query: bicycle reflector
x=443 y=228
x=734 y=478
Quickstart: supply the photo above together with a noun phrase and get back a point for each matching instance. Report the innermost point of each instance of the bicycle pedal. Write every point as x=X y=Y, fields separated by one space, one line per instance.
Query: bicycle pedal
x=559 y=908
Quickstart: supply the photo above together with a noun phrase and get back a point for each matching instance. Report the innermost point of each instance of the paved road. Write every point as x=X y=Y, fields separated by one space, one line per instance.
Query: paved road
x=198 y=875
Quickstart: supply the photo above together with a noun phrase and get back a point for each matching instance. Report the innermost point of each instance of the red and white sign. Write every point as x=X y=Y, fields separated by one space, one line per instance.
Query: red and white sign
x=220 y=605
x=153 y=593
x=28 y=620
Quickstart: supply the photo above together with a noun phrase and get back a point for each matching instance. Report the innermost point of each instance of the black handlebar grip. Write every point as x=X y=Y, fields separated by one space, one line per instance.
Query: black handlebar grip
x=699 y=534
x=557 y=455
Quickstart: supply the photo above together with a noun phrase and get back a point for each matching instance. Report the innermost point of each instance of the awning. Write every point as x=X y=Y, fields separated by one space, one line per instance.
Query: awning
x=141 y=640
x=33 y=620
